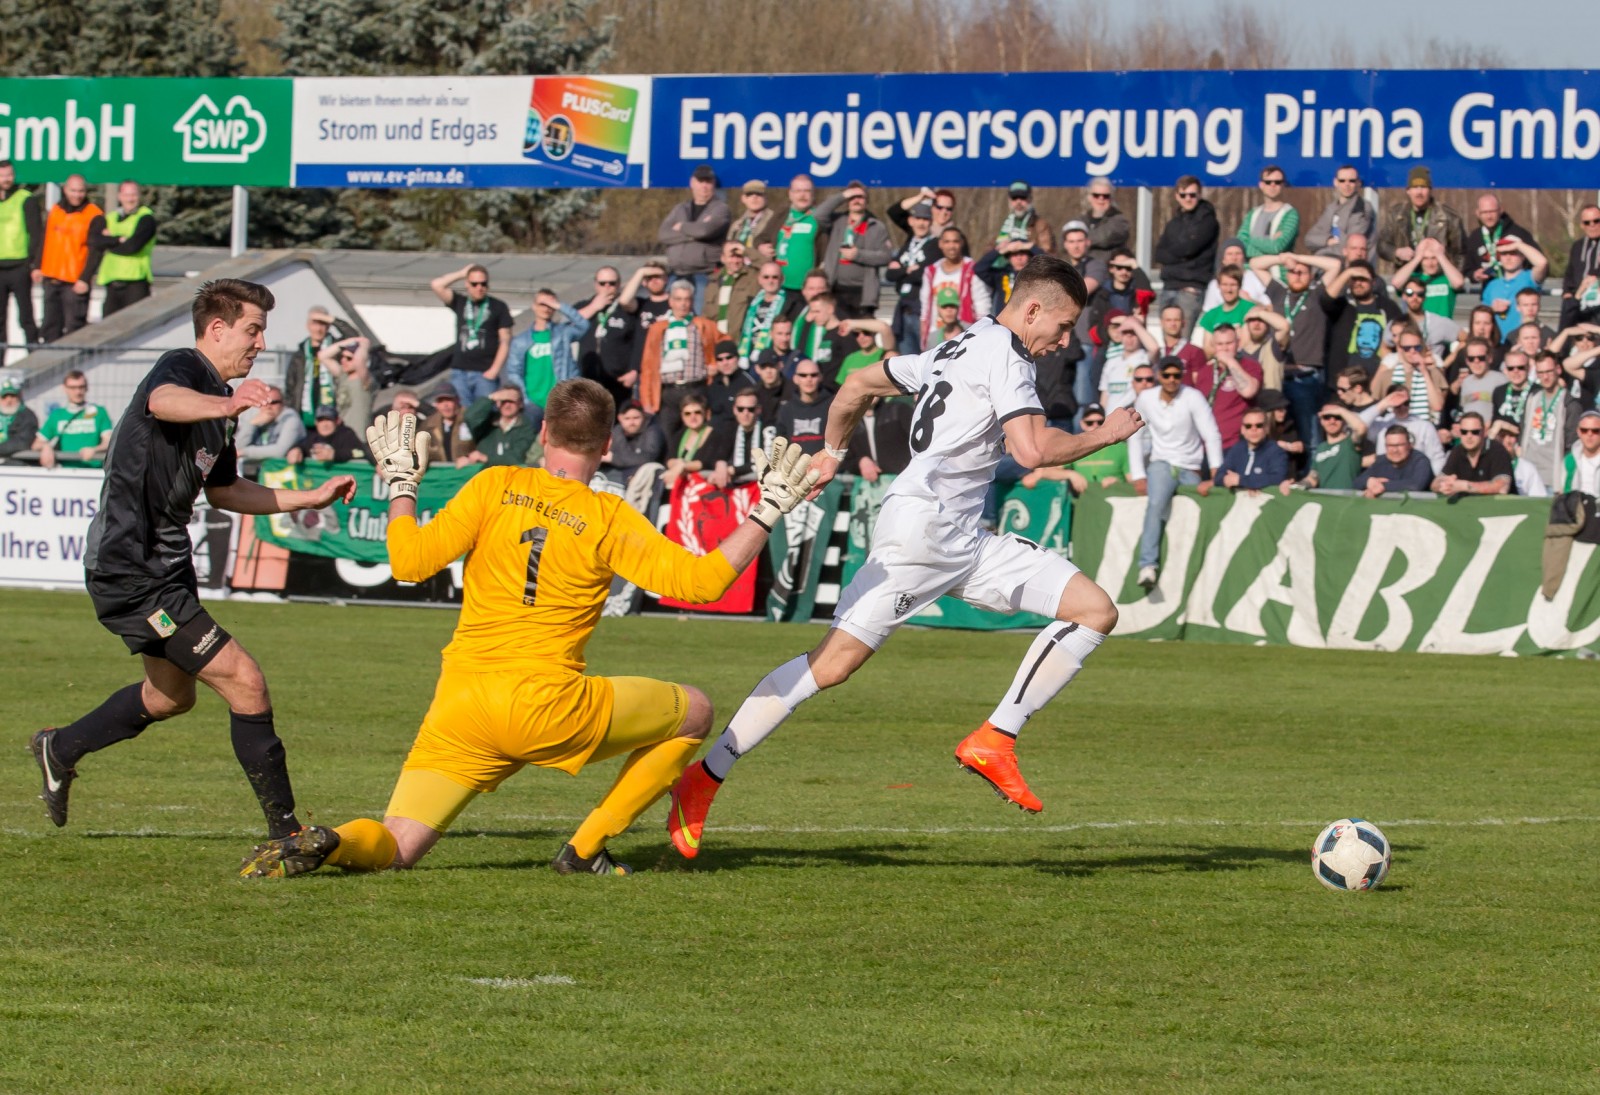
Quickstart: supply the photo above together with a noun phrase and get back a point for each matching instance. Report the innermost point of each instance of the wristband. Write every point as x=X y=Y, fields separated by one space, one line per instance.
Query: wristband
x=835 y=454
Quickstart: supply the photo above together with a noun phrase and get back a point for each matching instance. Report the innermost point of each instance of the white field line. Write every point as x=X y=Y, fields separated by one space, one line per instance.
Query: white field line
x=521 y=982
x=894 y=830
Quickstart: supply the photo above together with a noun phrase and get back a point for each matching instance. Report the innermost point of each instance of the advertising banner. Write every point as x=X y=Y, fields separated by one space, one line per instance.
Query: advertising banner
x=1537 y=129
x=700 y=517
x=1315 y=570
x=796 y=550
x=185 y=132
x=355 y=531
x=479 y=131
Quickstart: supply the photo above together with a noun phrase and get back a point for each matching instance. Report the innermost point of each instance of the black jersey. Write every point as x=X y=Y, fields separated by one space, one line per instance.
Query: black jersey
x=154 y=472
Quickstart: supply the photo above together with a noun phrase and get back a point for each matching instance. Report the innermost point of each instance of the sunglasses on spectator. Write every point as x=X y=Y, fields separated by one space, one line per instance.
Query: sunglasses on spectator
x=1589 y=429
x=727 y=357
x=1099 y=197
x=1091 y=423
x=1252 y=425
x=1126 y=268
x=744 y=410
x=1173 y=375
x=1331 y=417
x=476 y=284
x=1411 y=348
x=1144 y=380
x=1415 y=293
x=1271 y=182
x=1346 y=390
x=1188 y=194
x=1347 y=179
x=1591 y=221
x=1485 y=357
x=946 y=208
x=1467 y=431
x=607 y=284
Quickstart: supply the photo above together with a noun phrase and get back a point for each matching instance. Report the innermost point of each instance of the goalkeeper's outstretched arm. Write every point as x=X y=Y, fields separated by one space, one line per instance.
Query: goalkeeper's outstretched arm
x=416 y=553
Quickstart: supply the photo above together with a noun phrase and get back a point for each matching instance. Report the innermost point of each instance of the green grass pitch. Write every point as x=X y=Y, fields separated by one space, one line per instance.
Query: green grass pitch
x=864 y=917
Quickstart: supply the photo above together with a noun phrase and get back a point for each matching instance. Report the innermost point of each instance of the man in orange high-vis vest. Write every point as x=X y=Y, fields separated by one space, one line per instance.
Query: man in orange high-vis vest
x=68 y=263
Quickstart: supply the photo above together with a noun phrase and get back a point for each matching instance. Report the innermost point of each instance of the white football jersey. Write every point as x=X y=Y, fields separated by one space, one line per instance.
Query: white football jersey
x=966 y=390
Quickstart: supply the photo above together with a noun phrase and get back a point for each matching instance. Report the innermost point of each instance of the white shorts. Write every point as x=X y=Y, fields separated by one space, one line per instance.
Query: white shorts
x=919 y=556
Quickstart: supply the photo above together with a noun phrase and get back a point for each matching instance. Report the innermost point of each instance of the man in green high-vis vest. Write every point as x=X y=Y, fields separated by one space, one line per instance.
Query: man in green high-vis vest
x=21 y=244
x=126 y=240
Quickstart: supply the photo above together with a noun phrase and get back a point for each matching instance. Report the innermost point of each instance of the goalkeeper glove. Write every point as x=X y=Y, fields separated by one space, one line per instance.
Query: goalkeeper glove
x=783 y=471
x=400 y=451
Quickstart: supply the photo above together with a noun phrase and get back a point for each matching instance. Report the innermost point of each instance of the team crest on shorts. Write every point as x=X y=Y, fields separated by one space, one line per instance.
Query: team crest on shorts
x=902 y=604
x=162 y=624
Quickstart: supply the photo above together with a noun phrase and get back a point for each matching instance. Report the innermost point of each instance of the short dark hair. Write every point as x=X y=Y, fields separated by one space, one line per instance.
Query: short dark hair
x=1477 y=341
x=1185 y=182
x=76 y=374
x=1528 y=291
x=1273 y=167
x=1472 y=414
x=578 y=415
x=1047 y=274
x=1232 y=270
x=478 y=268
x=825 y=297
x=1122 y=253
x=1224 y=328
x=1397 y=430
x=1355 y=374
x=225 y=299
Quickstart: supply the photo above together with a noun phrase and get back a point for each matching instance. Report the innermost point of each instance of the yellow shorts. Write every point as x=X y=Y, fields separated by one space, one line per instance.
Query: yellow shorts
x=482 y=727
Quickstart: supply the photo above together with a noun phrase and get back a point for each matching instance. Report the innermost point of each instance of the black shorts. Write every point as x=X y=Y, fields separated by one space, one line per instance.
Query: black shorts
x=161 y=617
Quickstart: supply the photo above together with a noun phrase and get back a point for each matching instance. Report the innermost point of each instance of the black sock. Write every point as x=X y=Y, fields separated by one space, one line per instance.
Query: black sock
x=121 y=717
x=260 y=753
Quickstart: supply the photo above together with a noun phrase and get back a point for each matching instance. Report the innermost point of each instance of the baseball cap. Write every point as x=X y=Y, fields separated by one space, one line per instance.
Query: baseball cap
x=1591 y=413
x=727 y=346
x=703 y=173
x=1020 y=189
x=767 y=359
x=921 y=209
x=1169 y=361
x=1270 y=399
x=327 y=410
x=1093 y=408
x=1420 y=176
x=630 y=405
x=1074 y=226
x=9 y=387
x=444 y=391
x=755 y=186
x=947 y=294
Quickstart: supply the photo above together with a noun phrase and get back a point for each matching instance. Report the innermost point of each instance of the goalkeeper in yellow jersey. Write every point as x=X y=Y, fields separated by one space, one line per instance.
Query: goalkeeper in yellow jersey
x=541 y=551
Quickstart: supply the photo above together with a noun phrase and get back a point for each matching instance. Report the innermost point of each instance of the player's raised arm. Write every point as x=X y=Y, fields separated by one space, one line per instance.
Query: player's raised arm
x=418 y=552
x=1034 y=443
x=855 y=398
x=637 y=551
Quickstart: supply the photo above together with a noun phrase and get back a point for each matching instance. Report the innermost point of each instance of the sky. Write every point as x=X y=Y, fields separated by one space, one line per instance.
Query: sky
x=1527 y=33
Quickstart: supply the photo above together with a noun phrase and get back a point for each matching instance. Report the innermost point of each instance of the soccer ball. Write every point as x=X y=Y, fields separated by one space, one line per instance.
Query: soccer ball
x=1350 y=854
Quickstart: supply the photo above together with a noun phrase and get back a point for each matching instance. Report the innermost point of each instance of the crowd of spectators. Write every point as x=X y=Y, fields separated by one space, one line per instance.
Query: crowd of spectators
x=1270 y=359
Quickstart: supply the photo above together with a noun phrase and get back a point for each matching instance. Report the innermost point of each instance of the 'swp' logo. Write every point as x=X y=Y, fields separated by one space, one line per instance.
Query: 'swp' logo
x=229 y=135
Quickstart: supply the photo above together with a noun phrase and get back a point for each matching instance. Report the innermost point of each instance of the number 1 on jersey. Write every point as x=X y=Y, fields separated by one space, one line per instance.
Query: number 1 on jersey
x=534 y=538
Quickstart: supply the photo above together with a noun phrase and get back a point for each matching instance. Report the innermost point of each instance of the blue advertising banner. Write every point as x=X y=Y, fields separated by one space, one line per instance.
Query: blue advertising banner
x=1532 y=129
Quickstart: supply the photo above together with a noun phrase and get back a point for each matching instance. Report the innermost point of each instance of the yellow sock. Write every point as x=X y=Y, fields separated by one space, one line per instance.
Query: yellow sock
x=364 y=845
x=647 y=775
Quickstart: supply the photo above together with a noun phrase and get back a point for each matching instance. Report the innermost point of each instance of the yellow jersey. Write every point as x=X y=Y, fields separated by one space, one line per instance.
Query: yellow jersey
x=543 y=551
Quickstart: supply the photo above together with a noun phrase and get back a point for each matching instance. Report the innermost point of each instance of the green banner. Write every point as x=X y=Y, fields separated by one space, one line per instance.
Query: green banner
x=191 y=132
x=355 y=531
x=796 y=548
x=1455 y=576
x=1042 y=514
x=866 y=499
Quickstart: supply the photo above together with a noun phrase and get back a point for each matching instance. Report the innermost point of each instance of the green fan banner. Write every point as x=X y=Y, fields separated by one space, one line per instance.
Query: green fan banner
x=355 y=531
x=1334 y=571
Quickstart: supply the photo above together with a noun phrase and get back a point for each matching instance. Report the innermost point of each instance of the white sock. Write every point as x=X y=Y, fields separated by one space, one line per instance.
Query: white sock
x=762 y=712
x=1055 y=657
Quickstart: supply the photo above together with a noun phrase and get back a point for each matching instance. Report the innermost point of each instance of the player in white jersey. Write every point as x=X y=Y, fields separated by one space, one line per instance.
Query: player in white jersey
x=972 y=392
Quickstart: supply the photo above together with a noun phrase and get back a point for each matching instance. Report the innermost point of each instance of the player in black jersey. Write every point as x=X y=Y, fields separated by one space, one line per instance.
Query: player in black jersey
x=175 y=440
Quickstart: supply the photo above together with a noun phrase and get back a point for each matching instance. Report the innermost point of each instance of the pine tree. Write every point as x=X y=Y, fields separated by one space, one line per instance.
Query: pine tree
x=449 y=37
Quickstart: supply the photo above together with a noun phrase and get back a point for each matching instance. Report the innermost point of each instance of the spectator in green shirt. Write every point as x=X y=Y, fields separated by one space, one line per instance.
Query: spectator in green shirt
x=79 y=431
x=1232 y=310
x=867 y=351
x=1100 y=469
x=1337 y=460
